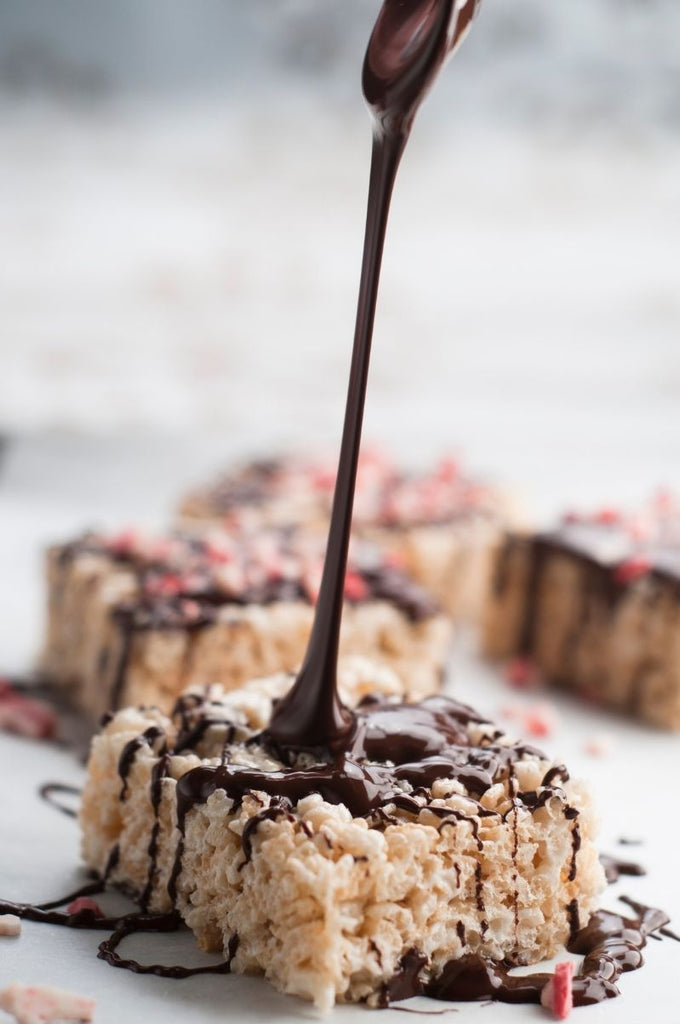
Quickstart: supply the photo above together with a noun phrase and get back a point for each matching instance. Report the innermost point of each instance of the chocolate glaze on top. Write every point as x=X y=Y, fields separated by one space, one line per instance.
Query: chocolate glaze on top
x=614 y=553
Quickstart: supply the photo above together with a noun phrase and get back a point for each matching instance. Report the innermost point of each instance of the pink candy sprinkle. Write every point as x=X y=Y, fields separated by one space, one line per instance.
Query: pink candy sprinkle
x=311 y=580
x=85 y=903
x=608 y=516
x=25 y=716
x=123 y=543
x=217 y=553
x=448 y=470
x=557 y=996
x=599 y=745
x=355 y=588
x=540 y=720
x=521 y=673
x=168 y=585
x=323 y=478
x=41 y=1004
x=632 y=569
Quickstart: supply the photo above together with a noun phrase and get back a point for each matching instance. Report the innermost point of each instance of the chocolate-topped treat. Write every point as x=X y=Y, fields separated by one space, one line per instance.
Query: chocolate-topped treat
x=595 y=605
x=134 y=618
x=439 y=523
x=361 y=874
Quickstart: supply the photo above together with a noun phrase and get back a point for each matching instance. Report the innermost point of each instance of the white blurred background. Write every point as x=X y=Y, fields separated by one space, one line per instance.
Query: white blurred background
x=182 y=193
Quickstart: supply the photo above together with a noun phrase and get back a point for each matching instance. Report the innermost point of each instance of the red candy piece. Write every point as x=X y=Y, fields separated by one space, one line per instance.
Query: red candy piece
x=571 y=518
x=311 y=580
x=123 y=543
x=85 y=903
x=540 y=720
x=448 y=470
x=521 y=673
x=164 y=586
x=632 y=569
x=217 y=553
x=355 y=588
x=608 y=516
x=557 y=996
x=323 y=479
x=26 y=717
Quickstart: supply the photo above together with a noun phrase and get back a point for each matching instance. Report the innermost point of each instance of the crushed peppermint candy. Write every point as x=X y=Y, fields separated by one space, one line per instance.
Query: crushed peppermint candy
x=600 y=744
x=10 y=925
x=42 y=1004
x=82 y=903
x=355 y=588
x=633 y=569
x=557 y=996
x=25 y=716
x=522 y=673
x=540 y=719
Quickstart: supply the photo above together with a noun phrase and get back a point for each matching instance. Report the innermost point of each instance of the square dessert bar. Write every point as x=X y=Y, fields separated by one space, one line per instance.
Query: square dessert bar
x=330 y=879
x=133 y=619
x=595 y=605
x=441 y=525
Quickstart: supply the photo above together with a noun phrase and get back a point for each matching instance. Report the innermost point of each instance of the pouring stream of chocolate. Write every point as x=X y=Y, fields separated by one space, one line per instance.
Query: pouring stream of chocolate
x=410 y=42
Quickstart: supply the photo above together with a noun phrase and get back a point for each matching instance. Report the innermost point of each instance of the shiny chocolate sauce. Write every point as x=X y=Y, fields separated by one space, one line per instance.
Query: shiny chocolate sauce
x=409 y=44
x=171 y=922
x=614 y=868
x=610 y=945
x=57 y=794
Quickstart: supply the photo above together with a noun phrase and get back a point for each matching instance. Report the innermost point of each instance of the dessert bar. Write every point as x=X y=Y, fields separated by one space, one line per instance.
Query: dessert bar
x=595 y=605
x=134 y=619
x=441 y=525
x=432 y=837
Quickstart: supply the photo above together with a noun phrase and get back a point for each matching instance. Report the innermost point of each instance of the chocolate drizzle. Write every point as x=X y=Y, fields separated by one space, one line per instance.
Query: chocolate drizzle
x=50 y=791
x=48 y=913
x=614 y=868
x=610 y=945
x=171 y=922
x=130 y=751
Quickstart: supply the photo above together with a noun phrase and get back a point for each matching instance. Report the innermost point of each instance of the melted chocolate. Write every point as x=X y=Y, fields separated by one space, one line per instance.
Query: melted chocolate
x=614 y=868
x=130 y=751
x=50 y=791
x=47 y=913
x=408 y=45
x=411 y=743
x=108 y=949
x=406 y=979
x=610 y=945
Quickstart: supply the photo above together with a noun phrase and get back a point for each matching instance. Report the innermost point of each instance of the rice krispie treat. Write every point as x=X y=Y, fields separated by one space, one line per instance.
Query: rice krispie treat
x=431 y=837
x=595 y=605
x=440 y=524
x=134 y=619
